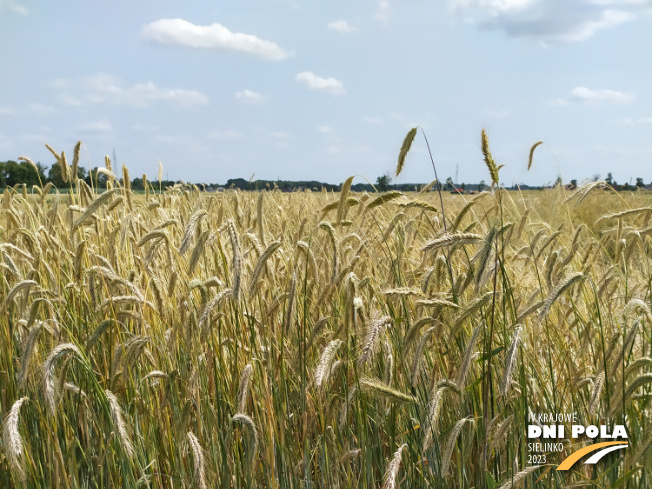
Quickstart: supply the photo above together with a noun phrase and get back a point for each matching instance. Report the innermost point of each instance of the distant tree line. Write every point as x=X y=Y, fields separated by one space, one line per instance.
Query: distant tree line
x=14 y=173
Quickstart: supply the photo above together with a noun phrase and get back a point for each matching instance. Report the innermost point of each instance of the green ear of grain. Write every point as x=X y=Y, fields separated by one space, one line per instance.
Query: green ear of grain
x=407 y=144
x=534 y=146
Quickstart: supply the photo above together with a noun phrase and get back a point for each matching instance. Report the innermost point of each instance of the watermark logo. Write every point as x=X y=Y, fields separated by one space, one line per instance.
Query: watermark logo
x=550 y=427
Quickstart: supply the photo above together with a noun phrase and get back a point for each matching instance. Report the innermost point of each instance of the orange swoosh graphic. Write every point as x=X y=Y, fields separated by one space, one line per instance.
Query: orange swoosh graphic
x=574 y=457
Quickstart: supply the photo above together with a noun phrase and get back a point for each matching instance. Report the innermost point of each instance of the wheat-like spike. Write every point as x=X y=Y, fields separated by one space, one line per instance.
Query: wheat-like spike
x=529 y=161
x=253 y=445
x=260 y=265
x=482 y=258
x=243 y=387
x=49 y=387
x=434 y=407
x=561 y=287
x=198 y=251
x=500 y=432
x=402 y=292
x=198 y=460
x=28 y=351
x=627 y=344
x=324 y=368
x=119 y=424
x=95 y=205
x=466 y=361
x=450 y=445
x=381 y=389
x=598 y=384
x=462 y=213
x=617 y=401
x=99 y=331
x=419 y=204
x=344 y=194
x=392 y=469
x=384 y=198
x=405 y=147
x=510 y=361
x=237 y=258
x=488 y=159
x=22 y=285
x=628 y=212
x=189 y=232
x=518 y=477
x=75 y=161
x=636 y=365
x=375 y=329
x=451 y=239
x=13 y=442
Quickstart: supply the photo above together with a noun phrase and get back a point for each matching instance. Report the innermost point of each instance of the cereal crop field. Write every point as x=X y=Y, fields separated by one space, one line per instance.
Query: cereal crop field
x=320 y=340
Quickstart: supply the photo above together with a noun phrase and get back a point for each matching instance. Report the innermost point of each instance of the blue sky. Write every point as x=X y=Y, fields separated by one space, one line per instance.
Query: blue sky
x=324 y=90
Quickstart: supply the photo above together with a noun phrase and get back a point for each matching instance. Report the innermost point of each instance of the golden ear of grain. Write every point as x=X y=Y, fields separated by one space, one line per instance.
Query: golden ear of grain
x=392 y=468
x=13 y=442
x=75 y=161
x=529 y=161
x=405 y=147
x=341 y=208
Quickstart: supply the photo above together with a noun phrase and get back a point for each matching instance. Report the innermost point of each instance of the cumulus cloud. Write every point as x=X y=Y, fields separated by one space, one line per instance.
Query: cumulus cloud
x=249 y=97
x=215 y=36
x=314 y=82
x=341 y=26
x=548 y=21
x=13 y=7
x=104 y=88
x=583 y=94
x=383 y=12
x=590 y=96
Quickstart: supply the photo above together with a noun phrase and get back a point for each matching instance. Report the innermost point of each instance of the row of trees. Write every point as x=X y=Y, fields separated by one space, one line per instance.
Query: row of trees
x=21 y=172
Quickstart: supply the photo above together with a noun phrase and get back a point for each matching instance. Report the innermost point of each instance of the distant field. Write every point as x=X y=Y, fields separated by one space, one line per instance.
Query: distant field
x=314 y=339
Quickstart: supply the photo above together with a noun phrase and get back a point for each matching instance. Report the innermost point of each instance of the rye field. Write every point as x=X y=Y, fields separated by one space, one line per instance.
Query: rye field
x=320 y=340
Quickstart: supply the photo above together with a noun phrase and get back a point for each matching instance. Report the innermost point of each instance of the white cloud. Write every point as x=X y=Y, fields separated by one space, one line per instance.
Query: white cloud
x=103 y=88
x=583 y=94
x=341 y=26
x=314 y=82
x=249 y=97
x=548 y=21
x=227 y=135
x=13 y=7
x=383 y=12
x=325 y=129
x=215 y=36
x=97 y=128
